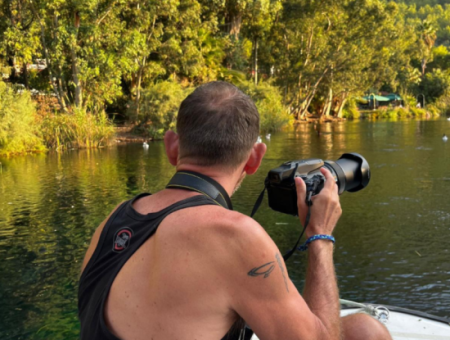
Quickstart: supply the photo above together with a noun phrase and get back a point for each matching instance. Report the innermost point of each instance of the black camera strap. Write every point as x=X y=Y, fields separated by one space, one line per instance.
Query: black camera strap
x=194 y=181
x=260 y=198
x=308 y=215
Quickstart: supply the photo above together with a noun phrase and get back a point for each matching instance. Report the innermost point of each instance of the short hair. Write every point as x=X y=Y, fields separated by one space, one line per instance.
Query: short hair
x=217 y=124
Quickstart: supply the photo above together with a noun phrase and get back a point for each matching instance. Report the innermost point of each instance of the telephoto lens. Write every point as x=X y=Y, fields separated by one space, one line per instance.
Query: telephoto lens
x=351 y=171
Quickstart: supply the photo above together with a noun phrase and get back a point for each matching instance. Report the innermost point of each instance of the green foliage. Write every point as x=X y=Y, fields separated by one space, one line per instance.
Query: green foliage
x=440 y=107
x=401 y=112
x=435 y=84
x=159 y=107
x=350 y=110
x=100 y=55
x=411 y=101
x=273 y=114
x=79 y=129
x=19 y=131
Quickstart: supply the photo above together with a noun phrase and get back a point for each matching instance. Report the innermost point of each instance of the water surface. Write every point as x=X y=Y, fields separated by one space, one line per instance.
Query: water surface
x=391 y=243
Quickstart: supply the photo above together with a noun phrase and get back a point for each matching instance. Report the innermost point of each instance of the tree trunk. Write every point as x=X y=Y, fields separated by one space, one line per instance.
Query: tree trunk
x=25 y=76
x=303 y=109
x=235 y=25
x=328 y=103
x=75 y=67
x=76 y=79
x=60 y=98
x=341 y=104
x=256 y=61
x=424 y=66
x=138 y=88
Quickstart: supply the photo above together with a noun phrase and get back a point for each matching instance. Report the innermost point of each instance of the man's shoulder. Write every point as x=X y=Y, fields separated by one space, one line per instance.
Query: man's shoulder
x=225 y=223
x=227 y=234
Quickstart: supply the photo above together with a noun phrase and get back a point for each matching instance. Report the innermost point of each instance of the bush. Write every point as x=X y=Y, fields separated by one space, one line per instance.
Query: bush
x=401 y=112
x=19 y=130
x=159 y=107
x=441 y=106
x=410 y=101
x=350 y=110
x=273 y=114
x=79 y=129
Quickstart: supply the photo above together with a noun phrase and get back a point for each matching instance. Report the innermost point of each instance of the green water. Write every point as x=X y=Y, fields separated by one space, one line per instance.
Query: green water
x=392 y=240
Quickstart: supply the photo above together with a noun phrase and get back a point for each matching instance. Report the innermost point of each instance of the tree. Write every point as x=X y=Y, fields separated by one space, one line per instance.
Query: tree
x=427 y=34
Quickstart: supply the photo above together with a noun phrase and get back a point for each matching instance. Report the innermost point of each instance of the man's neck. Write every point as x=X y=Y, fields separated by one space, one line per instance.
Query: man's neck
x=227 y=179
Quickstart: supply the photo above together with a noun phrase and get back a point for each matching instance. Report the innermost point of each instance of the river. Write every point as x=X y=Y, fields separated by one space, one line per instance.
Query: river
x=392 y=242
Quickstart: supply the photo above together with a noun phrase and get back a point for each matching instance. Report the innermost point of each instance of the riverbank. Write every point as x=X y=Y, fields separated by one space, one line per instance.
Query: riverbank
x=125 y=134
x=381 y=113
x=32 y=125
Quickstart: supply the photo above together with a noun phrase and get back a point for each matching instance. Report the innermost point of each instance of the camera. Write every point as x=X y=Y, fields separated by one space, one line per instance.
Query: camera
x=351 y=172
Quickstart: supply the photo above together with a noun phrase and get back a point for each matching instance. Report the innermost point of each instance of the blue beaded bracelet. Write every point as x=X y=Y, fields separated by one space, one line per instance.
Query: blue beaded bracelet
x=304 y=246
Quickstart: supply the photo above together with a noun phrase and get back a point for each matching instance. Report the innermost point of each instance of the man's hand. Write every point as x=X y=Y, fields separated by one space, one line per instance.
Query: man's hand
x=326 y=209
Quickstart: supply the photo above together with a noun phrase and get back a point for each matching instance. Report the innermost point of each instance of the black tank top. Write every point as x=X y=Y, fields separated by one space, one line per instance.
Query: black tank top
x=124 y=232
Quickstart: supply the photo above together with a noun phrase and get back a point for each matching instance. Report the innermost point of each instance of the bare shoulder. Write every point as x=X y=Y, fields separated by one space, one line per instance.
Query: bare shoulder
x=224 y=226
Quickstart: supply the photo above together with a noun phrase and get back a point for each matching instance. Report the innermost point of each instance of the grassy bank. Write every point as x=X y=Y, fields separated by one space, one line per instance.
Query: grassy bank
x=399 y=113
x=24 y=130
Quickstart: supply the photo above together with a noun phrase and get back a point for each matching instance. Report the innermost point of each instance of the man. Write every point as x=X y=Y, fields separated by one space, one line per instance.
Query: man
x=177 y=265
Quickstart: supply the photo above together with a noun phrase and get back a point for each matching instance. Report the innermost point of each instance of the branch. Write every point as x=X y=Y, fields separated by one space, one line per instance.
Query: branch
x=107 y=12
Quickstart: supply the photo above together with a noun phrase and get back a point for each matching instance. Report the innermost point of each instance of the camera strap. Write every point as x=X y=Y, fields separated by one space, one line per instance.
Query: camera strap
x=308 y=215
x=194 y=181
x=260 y=198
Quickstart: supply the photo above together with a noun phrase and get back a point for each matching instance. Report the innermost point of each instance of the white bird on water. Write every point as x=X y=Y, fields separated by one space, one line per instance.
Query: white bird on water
x=448 y=118
x=145 y=145
x=444 y=137
x=268 y=136
x=259 y=140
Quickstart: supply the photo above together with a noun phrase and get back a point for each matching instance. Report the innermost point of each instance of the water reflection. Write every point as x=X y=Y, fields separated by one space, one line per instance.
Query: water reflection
x=390 y=241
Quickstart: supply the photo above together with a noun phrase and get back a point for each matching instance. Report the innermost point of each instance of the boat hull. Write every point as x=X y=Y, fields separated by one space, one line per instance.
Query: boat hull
x=402 y=323
x=406 y=326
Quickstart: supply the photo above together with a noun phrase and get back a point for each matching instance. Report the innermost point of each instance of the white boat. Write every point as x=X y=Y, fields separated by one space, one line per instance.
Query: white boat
x=402 y=323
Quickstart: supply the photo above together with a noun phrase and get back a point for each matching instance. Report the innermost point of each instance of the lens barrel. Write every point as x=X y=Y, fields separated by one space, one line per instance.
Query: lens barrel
x=352 y=172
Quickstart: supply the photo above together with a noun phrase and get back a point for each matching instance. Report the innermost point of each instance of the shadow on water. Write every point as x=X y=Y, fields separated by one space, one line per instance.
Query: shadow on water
x=390 y=240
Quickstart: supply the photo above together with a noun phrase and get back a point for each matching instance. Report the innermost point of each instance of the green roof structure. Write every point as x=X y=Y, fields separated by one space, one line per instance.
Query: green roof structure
x=377 y=98
x=393 y=96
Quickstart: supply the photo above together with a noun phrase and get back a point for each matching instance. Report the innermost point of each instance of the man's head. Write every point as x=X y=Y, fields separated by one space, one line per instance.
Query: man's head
x=217 y=124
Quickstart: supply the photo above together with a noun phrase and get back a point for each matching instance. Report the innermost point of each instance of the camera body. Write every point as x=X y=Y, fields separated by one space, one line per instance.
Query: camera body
x=351 y=173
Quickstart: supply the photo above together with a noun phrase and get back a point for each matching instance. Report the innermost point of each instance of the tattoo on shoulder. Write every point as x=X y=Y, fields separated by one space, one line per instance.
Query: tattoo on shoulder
x=265 y=270
x=280 y=264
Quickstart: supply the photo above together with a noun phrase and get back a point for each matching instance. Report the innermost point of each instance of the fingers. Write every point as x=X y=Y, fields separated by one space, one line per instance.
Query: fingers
x=330 y=182
x=301 y=197
x=301 y=190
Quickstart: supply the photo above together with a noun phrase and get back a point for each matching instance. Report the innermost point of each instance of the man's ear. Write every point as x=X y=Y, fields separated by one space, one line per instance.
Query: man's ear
x=255 y=158
x=172 y=147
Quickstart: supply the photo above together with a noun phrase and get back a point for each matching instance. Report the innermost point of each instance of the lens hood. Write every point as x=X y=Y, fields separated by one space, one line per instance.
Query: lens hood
x=360 y=176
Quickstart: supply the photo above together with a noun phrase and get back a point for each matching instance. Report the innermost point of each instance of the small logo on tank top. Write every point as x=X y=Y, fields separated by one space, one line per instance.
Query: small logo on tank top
x=122 y=239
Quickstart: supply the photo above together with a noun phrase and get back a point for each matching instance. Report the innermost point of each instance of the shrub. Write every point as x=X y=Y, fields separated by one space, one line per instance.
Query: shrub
x=79 y=129
x=159 y=107
x=410 y=101
x=350 y=110
x=401 y=112
x=441 y=106
x=273 y=114
x=19 y=129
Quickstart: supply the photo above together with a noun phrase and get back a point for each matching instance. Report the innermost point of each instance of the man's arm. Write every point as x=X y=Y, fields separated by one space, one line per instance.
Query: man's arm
x=262 y=293
x=321 y=291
